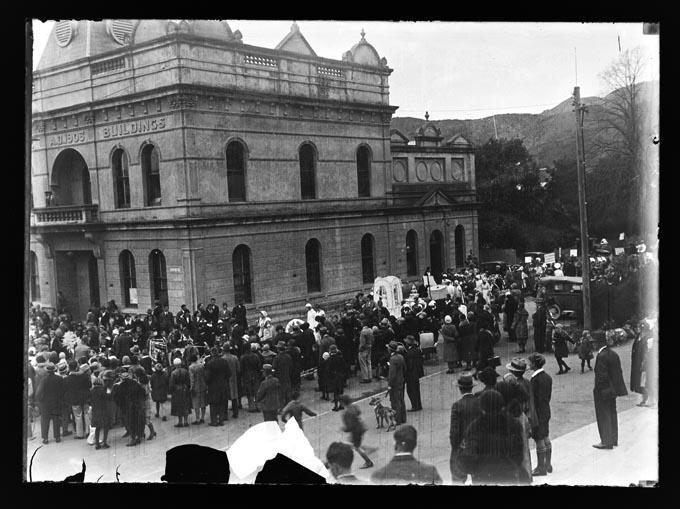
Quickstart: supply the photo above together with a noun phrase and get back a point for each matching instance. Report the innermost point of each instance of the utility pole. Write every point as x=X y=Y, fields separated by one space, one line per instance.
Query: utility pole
x=580 y=111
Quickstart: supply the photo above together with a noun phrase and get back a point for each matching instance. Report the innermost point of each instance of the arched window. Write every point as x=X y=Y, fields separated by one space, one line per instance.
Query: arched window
x=364 y=171
x=35 y=278
x=313 y=262
x=437 y=254
x=152 y=176
x=368 y=258
x=308 y=171
x=459 y=239
x=128 y=278
x=236 y=171
x=242 y=278
x=159 y=277
x=121 y=179
x=412 y=253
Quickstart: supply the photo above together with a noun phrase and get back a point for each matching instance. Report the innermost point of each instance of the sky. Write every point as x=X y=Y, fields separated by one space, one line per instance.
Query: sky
x=465 y=70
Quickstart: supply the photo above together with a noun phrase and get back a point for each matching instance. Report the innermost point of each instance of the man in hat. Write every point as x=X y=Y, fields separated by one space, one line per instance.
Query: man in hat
x=404 y=468
x=50 y=398
x=212 y=312
x=463 y=413
x=268 y=395
x=414 y=372
x=339 y=458
x=609 y=385
x=251 y=368
x=229 y=354
x=217 y=373
x=395 y=380
x=517 y=367
x=282 y=365
x=239 y=314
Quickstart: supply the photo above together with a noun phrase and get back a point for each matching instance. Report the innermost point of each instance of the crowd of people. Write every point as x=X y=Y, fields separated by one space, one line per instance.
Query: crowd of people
x=115 y=369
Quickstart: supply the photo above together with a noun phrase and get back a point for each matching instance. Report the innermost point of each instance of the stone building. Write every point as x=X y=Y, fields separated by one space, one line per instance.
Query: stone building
x=173 y=161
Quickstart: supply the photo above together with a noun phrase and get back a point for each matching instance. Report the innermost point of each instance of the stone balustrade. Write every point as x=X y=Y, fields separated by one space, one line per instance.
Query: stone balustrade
x=65 y=214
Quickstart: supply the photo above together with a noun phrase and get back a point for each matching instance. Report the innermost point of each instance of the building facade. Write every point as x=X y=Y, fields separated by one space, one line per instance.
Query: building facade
x=173 y=162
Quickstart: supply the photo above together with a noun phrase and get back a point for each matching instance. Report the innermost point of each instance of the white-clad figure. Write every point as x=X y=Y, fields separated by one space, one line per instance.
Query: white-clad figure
x=486 y=289
x=311 y=320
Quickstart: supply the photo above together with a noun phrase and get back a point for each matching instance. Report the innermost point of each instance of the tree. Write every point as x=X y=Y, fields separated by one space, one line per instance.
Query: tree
x=615 y=184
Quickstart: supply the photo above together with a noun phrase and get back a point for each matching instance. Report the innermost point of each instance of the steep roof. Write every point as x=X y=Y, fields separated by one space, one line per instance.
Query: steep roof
x=295 y=42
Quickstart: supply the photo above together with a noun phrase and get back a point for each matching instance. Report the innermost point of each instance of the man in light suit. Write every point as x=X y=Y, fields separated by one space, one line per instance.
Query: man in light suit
x=609 y=384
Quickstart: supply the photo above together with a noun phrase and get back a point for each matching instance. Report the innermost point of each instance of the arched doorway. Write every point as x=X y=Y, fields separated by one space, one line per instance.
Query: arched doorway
x=70 y=179
x=460 y=245
x=437 y=255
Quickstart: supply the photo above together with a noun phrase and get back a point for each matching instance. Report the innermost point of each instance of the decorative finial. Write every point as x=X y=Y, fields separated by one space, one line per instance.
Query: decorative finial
x=362 y=34
x=427 y=116
x=294 y=27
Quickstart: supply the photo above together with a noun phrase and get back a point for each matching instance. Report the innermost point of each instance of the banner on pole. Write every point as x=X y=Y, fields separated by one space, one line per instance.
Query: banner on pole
x=573 y=252
x=549 y=258
x=622 y=236
x=619 y=251
x=527 y=259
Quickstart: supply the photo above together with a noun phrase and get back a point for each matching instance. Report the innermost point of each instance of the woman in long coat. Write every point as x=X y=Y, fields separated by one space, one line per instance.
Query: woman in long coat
x=160 y=387
x=103 y=408
x=198 y=389
x=492 y=449
x=520 y=326
x=450 y=335
x=180 y=391
x=468 y=340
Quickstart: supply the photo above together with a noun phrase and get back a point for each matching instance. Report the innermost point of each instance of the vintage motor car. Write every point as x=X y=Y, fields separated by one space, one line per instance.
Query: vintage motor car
x=563 y=298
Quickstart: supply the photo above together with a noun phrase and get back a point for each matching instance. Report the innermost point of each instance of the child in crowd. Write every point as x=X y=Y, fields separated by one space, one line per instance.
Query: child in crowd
x=585 y=349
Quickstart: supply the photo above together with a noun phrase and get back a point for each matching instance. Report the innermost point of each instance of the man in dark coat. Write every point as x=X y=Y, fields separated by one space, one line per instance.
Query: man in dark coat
x=217 y=375
x=509 y=309
x=130 y=397
x=167 y=320
x=560 y=338
x=268 y=395
x=539 y=327
x=609 y=385
x=296 y=370
x=638 y=365
x=212 y=312
x=50 y=398
x=485 y=342
x=306 y=342
x=251 y=367
x=403 y=468
x=283 y=367
x=414 y=372
x=541 y=392
x=122 y=344
x=463 y=413
x=239 y=315
x=395 y=380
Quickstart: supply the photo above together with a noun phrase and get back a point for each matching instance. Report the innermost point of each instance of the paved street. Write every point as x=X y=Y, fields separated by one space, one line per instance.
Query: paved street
x=572 y=432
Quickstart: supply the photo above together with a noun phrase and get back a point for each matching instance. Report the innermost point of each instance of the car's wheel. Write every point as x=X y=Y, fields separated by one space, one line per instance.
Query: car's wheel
x=555 y=311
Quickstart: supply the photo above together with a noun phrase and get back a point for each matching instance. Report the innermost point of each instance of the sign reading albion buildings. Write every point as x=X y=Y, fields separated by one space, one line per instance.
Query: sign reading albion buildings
x=268 y=176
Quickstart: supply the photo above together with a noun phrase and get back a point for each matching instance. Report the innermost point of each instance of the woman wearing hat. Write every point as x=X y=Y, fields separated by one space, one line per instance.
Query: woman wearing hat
x=160 y=387
x=336 y=376
x=451 y=338
x=103 y=408
x=492 y=446
x=180 y=390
